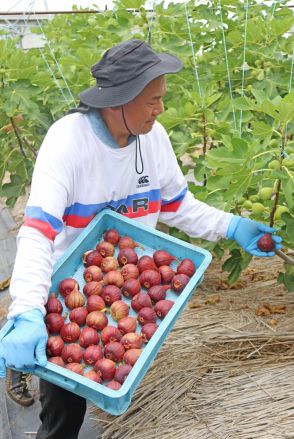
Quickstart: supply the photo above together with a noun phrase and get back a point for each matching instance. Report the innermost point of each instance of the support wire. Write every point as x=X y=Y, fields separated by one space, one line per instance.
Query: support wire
x=193 y=53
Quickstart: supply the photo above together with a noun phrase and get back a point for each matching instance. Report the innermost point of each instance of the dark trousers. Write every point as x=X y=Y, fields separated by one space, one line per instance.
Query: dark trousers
x=62 y=412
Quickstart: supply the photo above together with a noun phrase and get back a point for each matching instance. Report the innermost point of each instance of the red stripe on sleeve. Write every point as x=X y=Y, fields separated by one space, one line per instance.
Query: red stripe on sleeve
x=171 y=207
x=42 y=226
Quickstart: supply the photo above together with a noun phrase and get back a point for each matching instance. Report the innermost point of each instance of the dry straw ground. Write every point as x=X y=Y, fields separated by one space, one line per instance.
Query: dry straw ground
x=226 y=370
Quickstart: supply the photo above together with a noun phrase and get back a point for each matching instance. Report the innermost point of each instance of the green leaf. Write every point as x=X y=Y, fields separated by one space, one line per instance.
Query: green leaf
x=289 y=221
x=224 y=155
x=269 y=108
x=14 y=188
x=286 y=112
x=261 y=129
x=235 y=264
x=289 y=193
x=287 y=280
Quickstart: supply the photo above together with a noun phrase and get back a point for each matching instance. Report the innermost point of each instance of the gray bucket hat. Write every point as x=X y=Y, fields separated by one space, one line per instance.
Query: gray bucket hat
x=124 y=71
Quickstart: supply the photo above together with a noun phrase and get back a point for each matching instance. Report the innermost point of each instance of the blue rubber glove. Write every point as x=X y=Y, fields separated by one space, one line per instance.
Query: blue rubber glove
x=25 y=344
x=247 y=232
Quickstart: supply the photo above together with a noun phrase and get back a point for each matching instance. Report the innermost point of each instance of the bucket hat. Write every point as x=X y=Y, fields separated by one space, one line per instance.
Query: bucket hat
x=123 y=72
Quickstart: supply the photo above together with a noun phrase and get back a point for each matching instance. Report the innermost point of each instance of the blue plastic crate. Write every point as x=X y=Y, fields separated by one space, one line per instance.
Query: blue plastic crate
x=116 y=402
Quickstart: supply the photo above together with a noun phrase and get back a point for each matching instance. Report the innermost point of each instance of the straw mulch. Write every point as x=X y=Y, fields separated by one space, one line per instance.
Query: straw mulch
x=226 y=369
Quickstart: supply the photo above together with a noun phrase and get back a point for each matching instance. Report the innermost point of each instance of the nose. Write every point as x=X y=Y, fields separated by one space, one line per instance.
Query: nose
x=159 y=108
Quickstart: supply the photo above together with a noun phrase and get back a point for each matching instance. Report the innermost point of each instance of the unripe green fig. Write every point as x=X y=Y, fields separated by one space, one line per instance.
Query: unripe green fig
x=253 y=198
x=279 y=211
x=265 y=193
x=257 y=208
x=247 y=204
x=289 y=163
x=274 y=143
x=274 y=164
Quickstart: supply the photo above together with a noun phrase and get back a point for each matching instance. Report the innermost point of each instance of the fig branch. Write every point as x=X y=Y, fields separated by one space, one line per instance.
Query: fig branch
x=285 y=257
x=18 y=137
x=278 y=187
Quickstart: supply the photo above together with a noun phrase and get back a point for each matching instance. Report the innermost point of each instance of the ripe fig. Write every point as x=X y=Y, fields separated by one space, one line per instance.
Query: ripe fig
x=127 y=324
x=89 y=336
x=132 y=340
x=114 y=385
x=70 y=332
x=66 y=286
x=266 y=243
x=131 y=356
x=93 y=273
x=110 y=333
x=179 y=282
x=57 y=360
x=148 y=330
x=92 y=375
x=162 y=307
x=105 y=368
x=161 y=257
x=92 y=354
x=131 y=287
x=130 y=271
x=78 y=315
x=114 y=351
x=119 y=309
x=97 y=320
x=72 y=353
x=147 y=315
x=54 y=305
x=92 y=257
x=93 y=287
x=186 y=267
x=112 y=236
x=54 y=322
x=122 y=372
x=54 y=346
x=105 y=249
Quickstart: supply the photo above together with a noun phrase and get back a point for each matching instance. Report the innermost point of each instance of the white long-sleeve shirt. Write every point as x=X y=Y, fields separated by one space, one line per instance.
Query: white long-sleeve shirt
x=79 y=171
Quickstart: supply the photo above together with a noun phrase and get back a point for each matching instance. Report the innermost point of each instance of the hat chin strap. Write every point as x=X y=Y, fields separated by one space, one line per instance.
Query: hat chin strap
x=138 y=143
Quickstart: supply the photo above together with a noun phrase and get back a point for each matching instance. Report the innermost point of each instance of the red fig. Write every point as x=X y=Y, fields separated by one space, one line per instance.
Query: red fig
x=186 y=266
x=179 y=282
x=122 y=372
x=162 y=307
x=162 y=257
x=112 y=236
x=53 y=304
x=148 y=330
x=266 y=243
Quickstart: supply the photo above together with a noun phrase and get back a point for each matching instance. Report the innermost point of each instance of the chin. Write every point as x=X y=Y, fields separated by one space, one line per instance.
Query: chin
x=147 y=128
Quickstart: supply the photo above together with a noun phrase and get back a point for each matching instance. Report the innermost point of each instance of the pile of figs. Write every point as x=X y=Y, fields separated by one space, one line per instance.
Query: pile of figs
x=99 y=330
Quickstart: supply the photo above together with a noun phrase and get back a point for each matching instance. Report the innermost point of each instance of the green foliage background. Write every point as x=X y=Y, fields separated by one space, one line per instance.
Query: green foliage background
x=235 y=124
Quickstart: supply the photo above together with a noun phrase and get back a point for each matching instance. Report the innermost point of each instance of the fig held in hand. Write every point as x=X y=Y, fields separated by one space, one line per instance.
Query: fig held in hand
x=266 y=243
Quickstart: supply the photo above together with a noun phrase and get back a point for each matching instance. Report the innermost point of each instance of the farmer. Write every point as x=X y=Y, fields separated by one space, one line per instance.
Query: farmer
x=110 y=153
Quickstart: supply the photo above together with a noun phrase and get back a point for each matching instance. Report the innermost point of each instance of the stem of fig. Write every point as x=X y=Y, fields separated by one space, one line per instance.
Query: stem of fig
x=285 y=257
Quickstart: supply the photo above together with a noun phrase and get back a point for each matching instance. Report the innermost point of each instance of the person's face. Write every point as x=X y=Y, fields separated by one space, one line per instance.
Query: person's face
x=142 y=111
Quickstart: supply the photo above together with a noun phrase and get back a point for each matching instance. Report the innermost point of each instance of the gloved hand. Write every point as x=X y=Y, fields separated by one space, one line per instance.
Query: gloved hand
x=247 y=232
x=25 y=344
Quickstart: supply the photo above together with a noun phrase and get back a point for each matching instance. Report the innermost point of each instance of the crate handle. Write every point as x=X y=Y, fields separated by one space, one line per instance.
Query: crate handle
x=60 y=381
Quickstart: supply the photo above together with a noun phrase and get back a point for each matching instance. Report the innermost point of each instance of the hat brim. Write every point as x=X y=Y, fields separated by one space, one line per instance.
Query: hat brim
x=102 y=97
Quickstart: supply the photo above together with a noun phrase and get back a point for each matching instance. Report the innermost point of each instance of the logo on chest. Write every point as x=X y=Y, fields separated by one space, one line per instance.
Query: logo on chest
x=143 y=181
